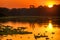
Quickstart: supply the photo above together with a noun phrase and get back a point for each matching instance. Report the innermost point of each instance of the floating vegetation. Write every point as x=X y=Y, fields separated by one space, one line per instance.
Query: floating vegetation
x=8 y=30
x=53 y=32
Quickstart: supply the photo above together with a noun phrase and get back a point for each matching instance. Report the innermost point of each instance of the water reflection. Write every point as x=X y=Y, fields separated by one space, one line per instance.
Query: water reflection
x=50 y=25
x=42 y=31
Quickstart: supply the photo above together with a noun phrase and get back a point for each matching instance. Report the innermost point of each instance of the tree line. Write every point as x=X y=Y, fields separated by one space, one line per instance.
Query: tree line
x=32 y=11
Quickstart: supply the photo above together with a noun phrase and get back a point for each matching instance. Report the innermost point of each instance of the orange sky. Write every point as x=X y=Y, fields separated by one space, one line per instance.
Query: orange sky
x=26 y=3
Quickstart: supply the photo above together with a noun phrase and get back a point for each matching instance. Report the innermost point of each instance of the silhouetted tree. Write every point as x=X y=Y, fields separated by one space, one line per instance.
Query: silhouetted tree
x=4 y=11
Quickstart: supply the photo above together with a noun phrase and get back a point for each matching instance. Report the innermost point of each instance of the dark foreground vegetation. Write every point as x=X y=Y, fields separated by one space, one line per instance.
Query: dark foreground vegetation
x=8 y=30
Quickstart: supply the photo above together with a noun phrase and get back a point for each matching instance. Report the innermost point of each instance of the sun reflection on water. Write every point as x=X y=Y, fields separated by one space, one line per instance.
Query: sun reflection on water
x=50 y=25
x=48 y=29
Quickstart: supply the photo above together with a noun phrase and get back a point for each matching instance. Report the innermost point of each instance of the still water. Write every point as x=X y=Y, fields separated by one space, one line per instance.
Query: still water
x=49 y=29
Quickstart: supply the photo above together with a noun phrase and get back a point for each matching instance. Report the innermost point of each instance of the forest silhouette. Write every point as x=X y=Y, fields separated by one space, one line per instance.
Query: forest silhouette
x=40 y=14
x=32 y=11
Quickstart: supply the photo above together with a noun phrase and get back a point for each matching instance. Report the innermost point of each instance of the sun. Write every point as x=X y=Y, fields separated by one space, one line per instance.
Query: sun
x=50 y=6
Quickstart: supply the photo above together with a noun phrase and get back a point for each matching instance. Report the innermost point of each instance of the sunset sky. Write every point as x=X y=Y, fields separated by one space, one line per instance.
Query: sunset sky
x=26 y=3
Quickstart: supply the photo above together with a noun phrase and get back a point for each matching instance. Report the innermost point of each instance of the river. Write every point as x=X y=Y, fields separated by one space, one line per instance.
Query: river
x=49 y=29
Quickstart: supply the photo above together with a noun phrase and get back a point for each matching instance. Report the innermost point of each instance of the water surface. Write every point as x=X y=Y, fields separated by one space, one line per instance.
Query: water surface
x=49 y=29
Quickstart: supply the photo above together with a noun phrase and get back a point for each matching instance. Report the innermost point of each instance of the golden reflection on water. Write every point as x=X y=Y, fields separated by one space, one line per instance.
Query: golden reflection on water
x=50 y=25
x=36 y=28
